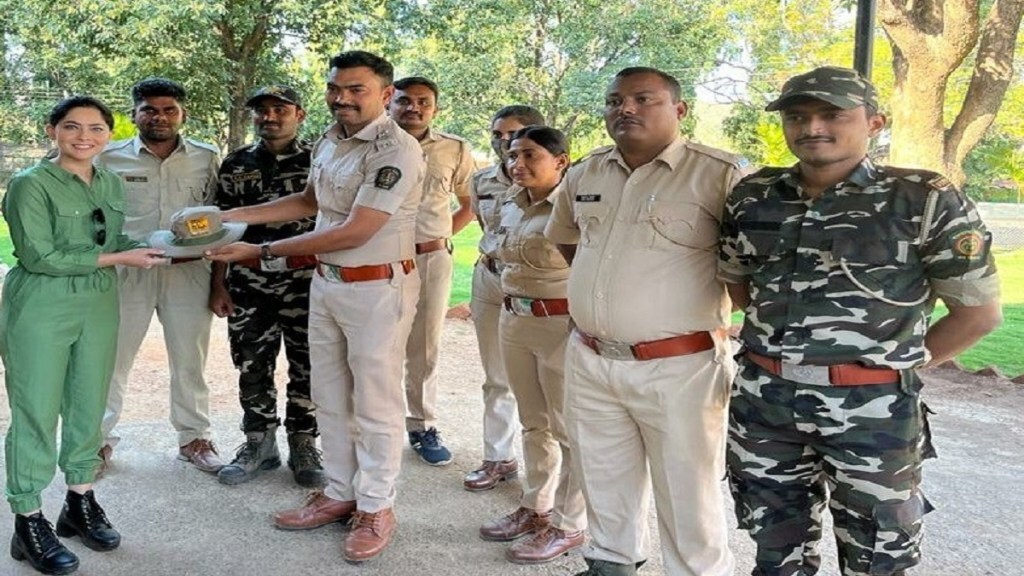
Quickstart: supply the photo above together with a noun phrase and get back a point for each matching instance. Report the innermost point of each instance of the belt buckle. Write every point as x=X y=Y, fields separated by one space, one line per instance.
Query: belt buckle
x=521 y=306
x=805 y=374
x=331 y=272
x=279 y=264
x=614 y=350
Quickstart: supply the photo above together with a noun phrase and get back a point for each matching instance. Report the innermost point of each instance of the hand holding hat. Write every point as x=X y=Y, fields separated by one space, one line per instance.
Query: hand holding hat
x=195 y=230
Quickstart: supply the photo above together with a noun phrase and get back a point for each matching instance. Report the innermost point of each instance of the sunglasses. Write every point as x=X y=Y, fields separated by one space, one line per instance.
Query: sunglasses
x=99 y=221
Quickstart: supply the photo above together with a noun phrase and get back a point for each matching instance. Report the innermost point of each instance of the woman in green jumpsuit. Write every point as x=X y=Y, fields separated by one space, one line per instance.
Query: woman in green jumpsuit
x=58 y=330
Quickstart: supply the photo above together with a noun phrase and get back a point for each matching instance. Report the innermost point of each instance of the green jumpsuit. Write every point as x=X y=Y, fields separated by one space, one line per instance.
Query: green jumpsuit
x=58 y=324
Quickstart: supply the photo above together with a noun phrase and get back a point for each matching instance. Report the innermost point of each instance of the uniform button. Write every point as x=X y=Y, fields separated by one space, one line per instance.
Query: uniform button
x=600 y=295
x=621 y=219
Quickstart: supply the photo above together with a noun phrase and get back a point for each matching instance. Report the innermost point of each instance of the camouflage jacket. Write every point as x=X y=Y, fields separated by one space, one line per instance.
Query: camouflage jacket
x=853 y=275
x=253 y=175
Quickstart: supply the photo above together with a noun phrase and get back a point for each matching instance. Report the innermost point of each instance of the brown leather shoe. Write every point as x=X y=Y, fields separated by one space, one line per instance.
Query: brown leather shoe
x=544 y=546
x=370 y=534
x=519 y=523
x=202 y=454
x=489 y=474
x=106 y=455
x=318 y=510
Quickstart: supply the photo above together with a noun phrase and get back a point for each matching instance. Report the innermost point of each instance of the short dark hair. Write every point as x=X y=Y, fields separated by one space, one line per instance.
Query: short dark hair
x=670 y=81
x=410 y=81
x=548 y=138
x=154 y=87
x=526 y=115
x=357 y=58
x=65 y=106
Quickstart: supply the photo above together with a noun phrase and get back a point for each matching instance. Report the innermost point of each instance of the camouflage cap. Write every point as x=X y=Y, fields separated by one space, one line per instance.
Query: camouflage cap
x=278 y=91
x=842 y=87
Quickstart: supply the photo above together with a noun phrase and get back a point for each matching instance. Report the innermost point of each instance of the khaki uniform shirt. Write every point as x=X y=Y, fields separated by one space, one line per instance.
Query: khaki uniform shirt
x=379 y=167
x=155 y=189
x=487 y=194
x=449 y=170
x=646 y=241
x=534 y=268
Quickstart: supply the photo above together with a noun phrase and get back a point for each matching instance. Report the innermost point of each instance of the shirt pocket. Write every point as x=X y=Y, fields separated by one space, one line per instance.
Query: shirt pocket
x=673 y=224
x=541 y=254
x=75 y=226
x=340 y=191
x=114 y=212
x=592 y=220
x=880 y=265
x=194 y=191
x=142 y=199
x=438 y=181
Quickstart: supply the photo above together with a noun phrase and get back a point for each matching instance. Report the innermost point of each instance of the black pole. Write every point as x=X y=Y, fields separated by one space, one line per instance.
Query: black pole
x=864 y=37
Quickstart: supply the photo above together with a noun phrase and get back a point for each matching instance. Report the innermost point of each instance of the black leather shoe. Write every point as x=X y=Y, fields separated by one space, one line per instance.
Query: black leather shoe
x=82 y=516
x=34 y=540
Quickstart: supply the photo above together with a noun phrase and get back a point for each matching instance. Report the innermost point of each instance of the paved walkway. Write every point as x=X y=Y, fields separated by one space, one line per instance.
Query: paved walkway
x=177 y=521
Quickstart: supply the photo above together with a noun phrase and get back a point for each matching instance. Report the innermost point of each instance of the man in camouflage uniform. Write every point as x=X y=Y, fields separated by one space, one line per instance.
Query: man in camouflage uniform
x=268 y=301
x=837 y=263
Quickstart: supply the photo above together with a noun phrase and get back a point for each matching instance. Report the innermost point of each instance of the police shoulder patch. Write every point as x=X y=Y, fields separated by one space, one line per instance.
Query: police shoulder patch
x=387 y=177
x=968 y=244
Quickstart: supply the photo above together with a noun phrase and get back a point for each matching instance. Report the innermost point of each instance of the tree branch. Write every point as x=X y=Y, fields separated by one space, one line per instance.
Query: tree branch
x=993 y=70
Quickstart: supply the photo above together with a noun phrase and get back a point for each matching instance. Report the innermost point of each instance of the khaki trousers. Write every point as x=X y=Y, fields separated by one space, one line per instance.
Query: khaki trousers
x=179 y=293
x=357 y=336
x=668 y=414
x=534 y=353
x=423 y=349
x=499 y=403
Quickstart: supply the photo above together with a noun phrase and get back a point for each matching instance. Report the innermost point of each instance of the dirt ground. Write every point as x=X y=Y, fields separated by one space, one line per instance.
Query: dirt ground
x=979 y=433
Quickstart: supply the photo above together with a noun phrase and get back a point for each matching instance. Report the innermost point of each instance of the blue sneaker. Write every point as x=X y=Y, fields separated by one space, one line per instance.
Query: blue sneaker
x=428 y=444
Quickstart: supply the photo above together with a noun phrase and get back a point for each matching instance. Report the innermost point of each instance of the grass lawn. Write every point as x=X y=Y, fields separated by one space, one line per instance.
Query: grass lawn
x=1001 y=349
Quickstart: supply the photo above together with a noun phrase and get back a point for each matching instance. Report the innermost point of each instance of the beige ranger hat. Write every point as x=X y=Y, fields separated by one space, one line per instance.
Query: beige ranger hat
x=195 y=230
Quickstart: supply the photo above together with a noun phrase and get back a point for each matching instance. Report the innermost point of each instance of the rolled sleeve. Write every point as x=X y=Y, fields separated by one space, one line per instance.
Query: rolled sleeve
x=385 y=190
x=957 y=253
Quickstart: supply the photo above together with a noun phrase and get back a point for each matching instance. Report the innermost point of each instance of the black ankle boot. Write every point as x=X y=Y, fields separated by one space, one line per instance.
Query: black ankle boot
x=82 y=516
x=34 y=540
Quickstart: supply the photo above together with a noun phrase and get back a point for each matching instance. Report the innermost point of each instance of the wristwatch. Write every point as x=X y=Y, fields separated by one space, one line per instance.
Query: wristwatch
x=265 y=254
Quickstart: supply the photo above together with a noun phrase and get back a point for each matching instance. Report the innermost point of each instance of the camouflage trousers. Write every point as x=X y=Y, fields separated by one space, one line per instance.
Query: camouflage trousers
x=794 y=449
x=271 y=307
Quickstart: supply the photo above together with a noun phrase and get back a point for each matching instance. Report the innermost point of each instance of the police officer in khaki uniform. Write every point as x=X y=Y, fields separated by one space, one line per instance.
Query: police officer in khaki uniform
x=533 y=330
x=487 y=194
x=364 y=187
x=164 y=172
x=648 y=367
x=449 y=169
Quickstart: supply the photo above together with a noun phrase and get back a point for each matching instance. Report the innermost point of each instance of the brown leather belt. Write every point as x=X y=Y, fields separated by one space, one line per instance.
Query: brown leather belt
x=432 y=246
x=183 y=260
x=537 y=306
x=834 y=375
x=490 y=263
x=291 y=262
x=665 y=348
x=363 y=273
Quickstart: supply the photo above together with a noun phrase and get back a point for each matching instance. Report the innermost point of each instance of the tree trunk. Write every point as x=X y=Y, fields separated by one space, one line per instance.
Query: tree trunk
x=930 y=39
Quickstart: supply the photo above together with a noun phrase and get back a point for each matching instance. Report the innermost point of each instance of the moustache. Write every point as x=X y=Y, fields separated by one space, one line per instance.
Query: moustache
x=337 y=107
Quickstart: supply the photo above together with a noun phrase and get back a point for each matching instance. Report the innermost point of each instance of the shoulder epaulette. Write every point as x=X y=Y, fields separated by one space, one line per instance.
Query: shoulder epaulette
x=203 y=145
x=118 y=144
x=727 y=157
x=603 y=150
x=451 y=137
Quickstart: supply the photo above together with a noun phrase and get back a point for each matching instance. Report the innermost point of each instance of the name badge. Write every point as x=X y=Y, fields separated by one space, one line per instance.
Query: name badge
x=136 y=179
x=588 y=197
x=246 y=177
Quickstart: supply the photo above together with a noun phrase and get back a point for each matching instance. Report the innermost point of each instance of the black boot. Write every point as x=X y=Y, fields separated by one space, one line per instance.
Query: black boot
x=34 y=540
x=82 y=516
